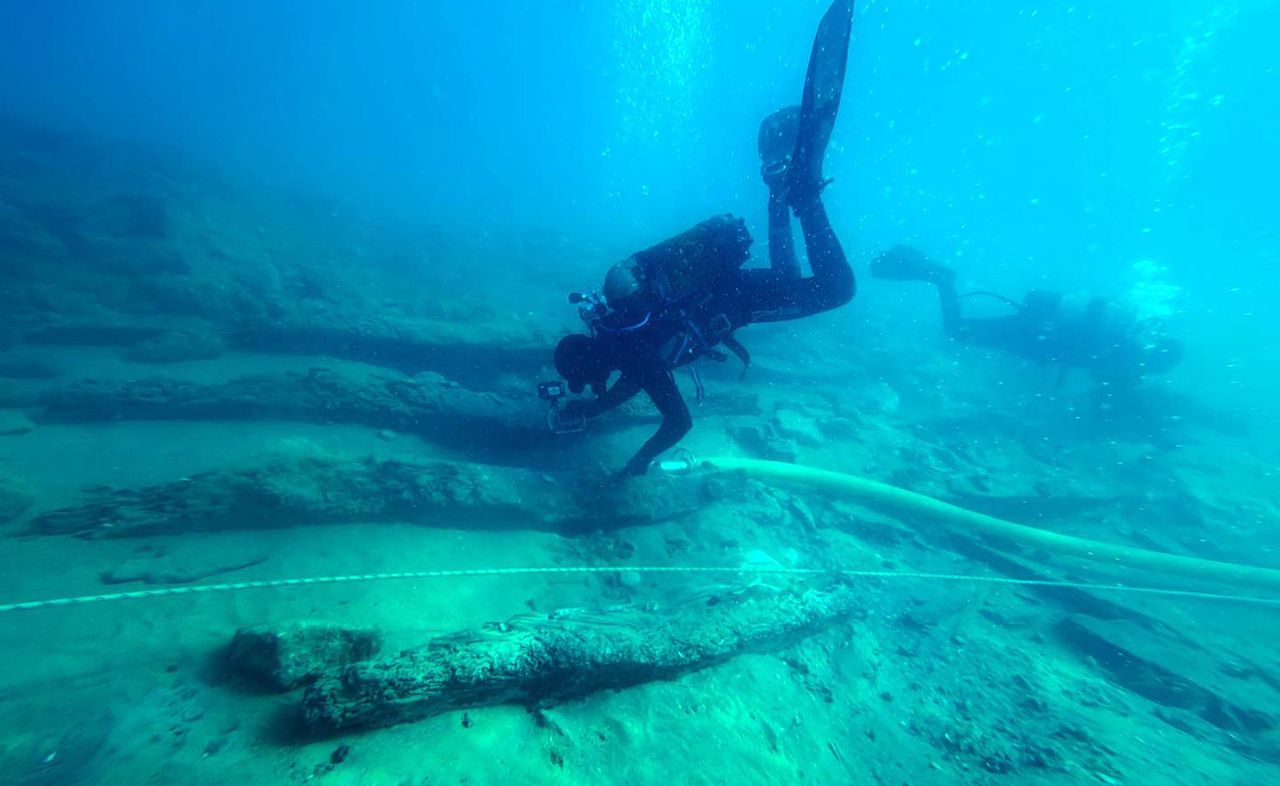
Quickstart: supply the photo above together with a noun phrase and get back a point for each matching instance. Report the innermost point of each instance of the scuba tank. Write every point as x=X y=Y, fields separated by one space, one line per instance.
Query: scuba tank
x=669 y=284
x=669 y=273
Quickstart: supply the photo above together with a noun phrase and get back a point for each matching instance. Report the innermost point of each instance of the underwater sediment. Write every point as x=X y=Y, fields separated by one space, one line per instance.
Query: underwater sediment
x=212 y=393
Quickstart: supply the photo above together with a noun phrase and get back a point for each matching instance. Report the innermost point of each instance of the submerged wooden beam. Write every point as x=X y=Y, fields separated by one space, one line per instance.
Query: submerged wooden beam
x=536 y=660
x=297 y=491
x=487 y=425
x=476 y=351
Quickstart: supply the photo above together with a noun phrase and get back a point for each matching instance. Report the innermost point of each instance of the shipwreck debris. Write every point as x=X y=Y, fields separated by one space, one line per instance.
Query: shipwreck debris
x=541 y=659
x=289 y=656
x=300 y=491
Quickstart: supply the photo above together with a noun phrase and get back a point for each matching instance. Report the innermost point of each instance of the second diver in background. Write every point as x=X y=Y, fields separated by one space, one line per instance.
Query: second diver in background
x=672 y=304
x=1068 y=331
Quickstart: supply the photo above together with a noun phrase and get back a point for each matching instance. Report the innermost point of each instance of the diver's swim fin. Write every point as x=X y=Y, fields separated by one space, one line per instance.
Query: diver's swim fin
x=822 y=87
x=904 y=263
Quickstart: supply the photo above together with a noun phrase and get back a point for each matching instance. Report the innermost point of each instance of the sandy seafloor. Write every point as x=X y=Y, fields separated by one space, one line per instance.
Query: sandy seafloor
x=933 y=683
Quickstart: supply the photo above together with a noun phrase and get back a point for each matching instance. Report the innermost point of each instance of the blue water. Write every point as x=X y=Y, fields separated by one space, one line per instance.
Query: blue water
x=1127 y=150
x=1049 y=143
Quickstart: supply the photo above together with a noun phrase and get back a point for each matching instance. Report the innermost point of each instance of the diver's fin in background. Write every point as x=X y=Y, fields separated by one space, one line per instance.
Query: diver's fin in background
x=902 y=263
x=822 y=87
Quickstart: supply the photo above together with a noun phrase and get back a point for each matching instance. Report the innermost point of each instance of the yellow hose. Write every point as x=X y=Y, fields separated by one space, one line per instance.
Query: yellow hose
x=900 y=501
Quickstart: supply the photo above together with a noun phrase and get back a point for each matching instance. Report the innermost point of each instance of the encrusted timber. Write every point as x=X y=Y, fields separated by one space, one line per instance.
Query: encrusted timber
x=547 y=659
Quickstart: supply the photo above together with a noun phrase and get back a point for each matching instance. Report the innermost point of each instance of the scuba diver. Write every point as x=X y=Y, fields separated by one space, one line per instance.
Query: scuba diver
x=1071 y=331
x=675 y=303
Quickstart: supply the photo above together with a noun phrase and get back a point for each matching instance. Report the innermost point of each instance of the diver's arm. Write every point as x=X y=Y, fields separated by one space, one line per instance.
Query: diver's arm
x=622 y=391
x=676 y=421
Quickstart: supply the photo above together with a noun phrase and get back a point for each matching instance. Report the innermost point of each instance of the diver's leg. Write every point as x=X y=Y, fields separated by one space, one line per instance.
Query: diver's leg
x=782 y=246
x=776 y=142
x=1009 y=333
x=952 y=322
x=830 y=267
x=831 y=285
x=904 y=263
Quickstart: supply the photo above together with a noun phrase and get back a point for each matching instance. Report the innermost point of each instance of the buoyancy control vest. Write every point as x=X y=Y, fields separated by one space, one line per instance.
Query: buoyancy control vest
x=671 y=286
x=678 y=268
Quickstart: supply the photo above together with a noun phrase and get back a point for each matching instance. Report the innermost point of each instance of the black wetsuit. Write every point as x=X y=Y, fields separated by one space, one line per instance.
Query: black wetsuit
x=774 y=294
x=1030 y=332
x=681 y=333
x=1113 y=342
x=1049 y=328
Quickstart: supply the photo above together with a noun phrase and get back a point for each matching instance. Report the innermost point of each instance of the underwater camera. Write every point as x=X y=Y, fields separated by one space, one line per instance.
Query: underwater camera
x=551 y=391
